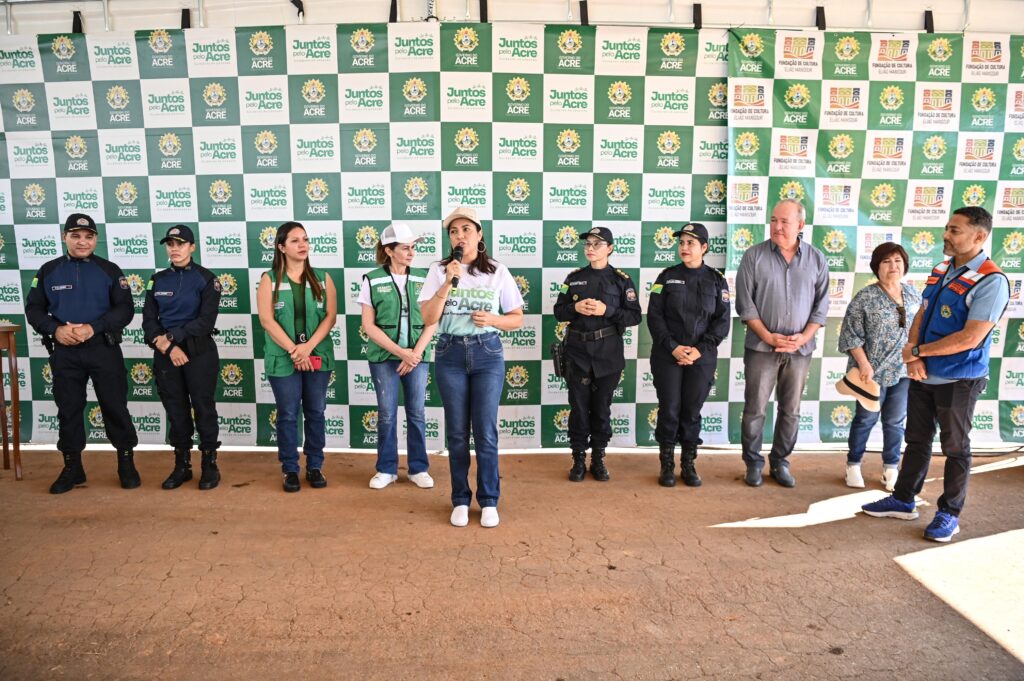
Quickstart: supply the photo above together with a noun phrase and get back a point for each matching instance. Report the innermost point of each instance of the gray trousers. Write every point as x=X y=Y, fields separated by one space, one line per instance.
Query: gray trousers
x=786 y=373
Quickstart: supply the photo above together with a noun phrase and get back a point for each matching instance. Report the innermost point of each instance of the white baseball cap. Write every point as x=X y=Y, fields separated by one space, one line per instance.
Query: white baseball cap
x=398 y=233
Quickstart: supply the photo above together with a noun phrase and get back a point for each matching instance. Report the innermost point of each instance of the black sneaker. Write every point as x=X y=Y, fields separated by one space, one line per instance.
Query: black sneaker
x=315 y=478
x=291 y=482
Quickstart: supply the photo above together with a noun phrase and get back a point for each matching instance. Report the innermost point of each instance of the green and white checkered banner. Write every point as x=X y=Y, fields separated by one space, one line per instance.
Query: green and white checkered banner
x=880 y=136
x=545 y=130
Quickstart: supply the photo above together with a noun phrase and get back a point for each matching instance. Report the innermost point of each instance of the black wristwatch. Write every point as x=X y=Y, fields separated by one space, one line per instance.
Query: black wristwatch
x=916 y=351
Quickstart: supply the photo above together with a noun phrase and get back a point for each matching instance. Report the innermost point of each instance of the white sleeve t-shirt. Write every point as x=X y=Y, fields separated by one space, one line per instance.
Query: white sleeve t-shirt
x=495 y=293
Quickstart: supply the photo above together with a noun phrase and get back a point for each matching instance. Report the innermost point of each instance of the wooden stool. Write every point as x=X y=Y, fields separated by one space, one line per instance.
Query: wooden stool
x=8 y=343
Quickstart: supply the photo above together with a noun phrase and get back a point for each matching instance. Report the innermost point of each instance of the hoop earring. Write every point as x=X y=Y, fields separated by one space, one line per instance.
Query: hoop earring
x=480 y=247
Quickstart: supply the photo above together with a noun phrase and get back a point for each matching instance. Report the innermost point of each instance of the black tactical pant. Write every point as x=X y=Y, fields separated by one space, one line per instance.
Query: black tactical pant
x=681 y=394
x=72 y=367
x=189 y=388
x=590 y=404
x=950 y=406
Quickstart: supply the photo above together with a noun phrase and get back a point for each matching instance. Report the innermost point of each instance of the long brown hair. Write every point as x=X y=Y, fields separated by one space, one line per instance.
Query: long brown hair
x=382 y=256
x=308 y=277
x=482 y=263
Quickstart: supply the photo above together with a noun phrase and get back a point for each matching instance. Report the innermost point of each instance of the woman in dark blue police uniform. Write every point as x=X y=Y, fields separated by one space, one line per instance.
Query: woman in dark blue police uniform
x=688 y=316
x=178 y=322
x=80 y=303
x=599 y=302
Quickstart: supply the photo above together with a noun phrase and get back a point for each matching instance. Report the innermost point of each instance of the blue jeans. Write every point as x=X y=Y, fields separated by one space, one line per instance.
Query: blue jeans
x=470 y=371
x=414 y=386
x=308 y=389
x=894 y=415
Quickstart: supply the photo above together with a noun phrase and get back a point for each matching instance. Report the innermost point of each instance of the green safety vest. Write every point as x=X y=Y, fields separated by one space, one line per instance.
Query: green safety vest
x=276 y=361
x=388 y=311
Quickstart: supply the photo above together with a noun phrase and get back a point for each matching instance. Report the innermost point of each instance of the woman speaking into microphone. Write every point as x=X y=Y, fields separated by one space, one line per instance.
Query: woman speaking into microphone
x=472 y=297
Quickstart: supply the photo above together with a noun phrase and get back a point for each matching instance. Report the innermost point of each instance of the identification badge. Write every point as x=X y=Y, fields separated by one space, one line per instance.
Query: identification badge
x=62 y=287
x=163 y=293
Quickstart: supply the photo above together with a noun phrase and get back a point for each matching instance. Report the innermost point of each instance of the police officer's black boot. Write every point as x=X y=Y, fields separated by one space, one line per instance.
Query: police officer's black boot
x=687 y=469
x=72 y=474
x=211 y=474
x=579 y=465
x=667 y=477
x=597 y=467
x=182 y=472
x=129 y=477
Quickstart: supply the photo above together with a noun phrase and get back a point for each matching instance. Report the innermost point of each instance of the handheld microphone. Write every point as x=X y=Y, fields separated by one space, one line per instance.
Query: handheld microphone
x=456 y=256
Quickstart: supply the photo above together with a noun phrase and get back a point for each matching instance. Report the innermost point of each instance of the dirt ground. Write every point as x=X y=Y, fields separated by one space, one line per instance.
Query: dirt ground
x=620 y=580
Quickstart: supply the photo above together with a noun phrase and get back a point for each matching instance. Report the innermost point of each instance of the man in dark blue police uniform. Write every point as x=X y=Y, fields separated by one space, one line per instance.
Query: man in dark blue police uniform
x=80 y=303
x=599 y=302
x=178 y=321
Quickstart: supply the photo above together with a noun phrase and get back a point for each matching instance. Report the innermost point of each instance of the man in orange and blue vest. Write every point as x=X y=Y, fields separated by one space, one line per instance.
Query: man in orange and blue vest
x=947 y=357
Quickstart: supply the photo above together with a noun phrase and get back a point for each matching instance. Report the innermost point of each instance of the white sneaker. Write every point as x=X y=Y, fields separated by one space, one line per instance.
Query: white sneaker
x=853 y=475
x=382 y=480
x=489 y=516
x=460 y=516
x=889 y=476
x=422 y=480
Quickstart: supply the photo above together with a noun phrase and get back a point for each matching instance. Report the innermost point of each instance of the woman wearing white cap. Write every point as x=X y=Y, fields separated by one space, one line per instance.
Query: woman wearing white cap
x=473 y=297
x=874 y=332
x=398 y=353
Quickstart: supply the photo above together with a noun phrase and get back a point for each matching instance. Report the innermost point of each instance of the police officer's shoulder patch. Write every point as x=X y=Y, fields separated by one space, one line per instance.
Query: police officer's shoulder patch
x=656 y=289
x=149 y=285
x=631 y=294
x=564 y=288
x=35 y=282
x=216 y=284
x=123 y=281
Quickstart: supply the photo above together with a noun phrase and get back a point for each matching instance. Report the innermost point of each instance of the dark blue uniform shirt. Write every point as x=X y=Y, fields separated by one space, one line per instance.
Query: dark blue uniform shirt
x=70 y=290
x=616 y=290
x=182 y=301
x=689 y=307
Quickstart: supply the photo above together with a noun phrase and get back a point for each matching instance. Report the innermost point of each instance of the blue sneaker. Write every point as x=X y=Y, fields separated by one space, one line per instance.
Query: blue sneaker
x=942 y=527
x=890 y=507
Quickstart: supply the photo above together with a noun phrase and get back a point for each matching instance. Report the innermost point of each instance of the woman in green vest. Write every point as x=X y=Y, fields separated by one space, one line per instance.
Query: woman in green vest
x=398 y=353
x=298 y=306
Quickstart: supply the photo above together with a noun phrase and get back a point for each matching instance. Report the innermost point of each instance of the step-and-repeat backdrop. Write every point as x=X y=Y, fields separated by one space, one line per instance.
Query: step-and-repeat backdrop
x=881 y=136
x=546 y=131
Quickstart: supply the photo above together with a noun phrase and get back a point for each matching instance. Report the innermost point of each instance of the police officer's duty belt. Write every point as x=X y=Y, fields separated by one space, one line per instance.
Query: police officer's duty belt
x=586 y=336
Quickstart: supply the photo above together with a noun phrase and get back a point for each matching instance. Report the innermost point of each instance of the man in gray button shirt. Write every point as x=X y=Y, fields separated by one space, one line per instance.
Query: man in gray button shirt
x=782 y=297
